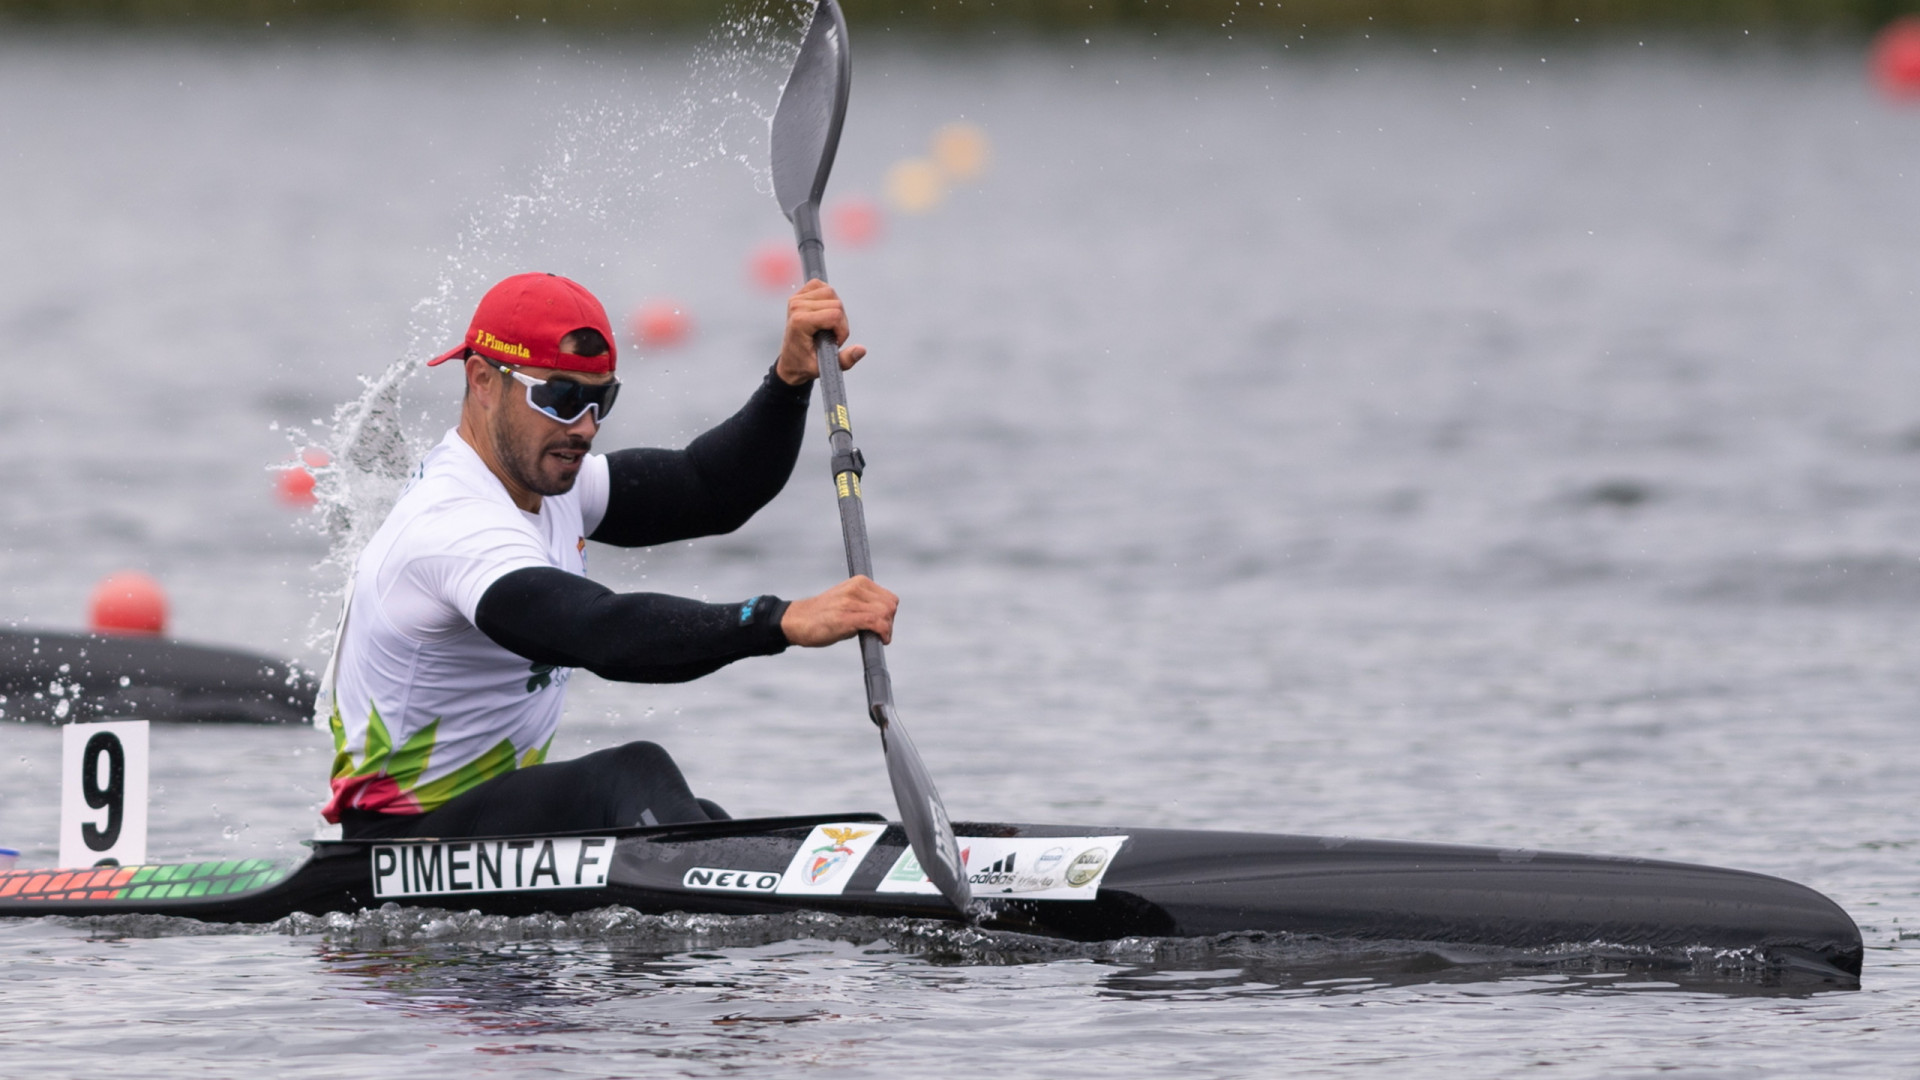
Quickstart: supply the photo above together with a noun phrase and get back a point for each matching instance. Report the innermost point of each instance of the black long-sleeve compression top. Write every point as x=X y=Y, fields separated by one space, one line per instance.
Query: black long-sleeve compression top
x=656 y=496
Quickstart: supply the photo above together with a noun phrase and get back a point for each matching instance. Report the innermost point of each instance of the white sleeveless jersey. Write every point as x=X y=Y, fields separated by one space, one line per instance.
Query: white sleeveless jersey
x=423 y=705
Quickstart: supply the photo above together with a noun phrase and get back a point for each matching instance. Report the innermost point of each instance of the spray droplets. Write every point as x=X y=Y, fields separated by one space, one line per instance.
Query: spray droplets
x=602 y=179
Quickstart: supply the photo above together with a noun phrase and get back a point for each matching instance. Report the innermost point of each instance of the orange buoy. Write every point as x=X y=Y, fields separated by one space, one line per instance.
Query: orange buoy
x=853 y=223
x=1895 y=59
x=128 y=602
x=774 y=266
x=961 y=150
x=661 y=324
x=915 y=186
x=294 y=483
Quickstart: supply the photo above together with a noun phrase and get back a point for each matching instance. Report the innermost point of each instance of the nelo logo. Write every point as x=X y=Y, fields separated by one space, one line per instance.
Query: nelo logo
x=749 y=881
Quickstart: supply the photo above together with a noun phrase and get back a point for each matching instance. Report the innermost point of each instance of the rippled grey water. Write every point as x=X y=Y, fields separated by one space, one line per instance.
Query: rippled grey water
x=1500 y=445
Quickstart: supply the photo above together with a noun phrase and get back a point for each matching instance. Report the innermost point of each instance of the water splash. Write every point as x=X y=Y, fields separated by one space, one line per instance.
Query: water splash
x=602 y=175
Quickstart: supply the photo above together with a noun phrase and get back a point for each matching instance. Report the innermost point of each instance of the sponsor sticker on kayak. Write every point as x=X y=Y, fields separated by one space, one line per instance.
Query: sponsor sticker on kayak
x=710 y=879
x=1030 y=867
x=485 y=866
x=827 y=859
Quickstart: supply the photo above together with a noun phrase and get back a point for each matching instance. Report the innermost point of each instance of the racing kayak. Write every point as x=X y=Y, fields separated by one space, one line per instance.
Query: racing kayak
x=1087 y=884
x=55 y=677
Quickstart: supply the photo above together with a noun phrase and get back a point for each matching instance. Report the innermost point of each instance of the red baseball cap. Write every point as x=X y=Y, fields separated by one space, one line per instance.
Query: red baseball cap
x=521 y=321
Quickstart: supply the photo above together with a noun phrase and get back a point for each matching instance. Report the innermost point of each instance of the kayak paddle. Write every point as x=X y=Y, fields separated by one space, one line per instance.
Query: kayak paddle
x=806 y=132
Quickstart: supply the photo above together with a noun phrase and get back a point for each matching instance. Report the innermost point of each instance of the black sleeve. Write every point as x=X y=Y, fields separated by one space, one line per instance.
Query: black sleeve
x=716 y=483
x=552 y=617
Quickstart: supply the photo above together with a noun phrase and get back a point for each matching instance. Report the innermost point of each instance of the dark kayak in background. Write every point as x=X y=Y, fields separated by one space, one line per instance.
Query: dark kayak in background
x=1087 y=884
x=64 y=677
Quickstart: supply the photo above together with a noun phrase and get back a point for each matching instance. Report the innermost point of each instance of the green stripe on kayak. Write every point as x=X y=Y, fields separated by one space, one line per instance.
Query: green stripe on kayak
x=181 y=880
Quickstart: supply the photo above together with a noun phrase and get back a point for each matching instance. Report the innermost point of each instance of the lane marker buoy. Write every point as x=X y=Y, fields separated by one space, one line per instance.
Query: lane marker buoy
x=915 y=186
x=854 y=223
x=961 y=150
x=294 y=484
x=128 y=602
x=661 y=324
x=774 y=266
x=1895 y=59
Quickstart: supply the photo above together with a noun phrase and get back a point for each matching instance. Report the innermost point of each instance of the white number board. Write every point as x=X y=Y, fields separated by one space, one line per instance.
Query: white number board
x=103 y=794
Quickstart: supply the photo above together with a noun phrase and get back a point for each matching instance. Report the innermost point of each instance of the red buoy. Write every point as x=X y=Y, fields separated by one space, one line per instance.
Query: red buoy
x=295 y=482
x=295 y=486
x=128 y=602
x=853 y=223
x=661 y=324
x=1896 y=59
x=774 y=266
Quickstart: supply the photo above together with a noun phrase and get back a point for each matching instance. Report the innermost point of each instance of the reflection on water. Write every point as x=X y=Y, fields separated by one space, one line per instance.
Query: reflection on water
x=528 y=997
x=610 y=991
x=1344 y=968
x=839 y=1002
x=449 y=958
x=728 y=1005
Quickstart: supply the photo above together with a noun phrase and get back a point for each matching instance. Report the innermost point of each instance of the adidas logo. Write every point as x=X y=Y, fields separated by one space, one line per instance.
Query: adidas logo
x=999 y=872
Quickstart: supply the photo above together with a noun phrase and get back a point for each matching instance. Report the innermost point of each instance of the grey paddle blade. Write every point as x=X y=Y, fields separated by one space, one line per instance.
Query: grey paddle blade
x=923 y=815
x=806 y=126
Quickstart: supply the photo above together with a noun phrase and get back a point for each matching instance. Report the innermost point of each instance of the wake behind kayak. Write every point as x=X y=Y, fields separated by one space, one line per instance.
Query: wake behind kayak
x=1078 y=883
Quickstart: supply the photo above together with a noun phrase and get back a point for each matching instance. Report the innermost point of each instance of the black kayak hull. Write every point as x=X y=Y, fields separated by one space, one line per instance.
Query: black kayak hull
x=1144 y=882
x=150 y=678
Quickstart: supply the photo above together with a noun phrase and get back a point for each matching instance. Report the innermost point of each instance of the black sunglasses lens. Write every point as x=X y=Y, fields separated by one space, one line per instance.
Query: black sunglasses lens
x=565 y=399
x=560 y=397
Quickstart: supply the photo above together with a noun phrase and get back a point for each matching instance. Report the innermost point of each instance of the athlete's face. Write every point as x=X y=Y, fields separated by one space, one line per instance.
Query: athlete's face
x=538 y=452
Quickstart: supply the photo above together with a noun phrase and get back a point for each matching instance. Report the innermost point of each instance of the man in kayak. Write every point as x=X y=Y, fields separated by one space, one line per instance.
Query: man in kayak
x=468 y=609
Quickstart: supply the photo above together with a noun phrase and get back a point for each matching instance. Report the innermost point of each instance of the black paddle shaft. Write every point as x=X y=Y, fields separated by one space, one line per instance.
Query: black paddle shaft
x=805 y=134
x=848 y=465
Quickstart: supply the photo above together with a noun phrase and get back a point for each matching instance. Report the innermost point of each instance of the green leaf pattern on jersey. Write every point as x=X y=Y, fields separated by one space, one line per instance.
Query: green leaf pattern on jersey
x=405 y=766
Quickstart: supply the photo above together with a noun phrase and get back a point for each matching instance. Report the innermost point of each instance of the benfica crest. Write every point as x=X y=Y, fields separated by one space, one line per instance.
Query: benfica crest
x=825 y=861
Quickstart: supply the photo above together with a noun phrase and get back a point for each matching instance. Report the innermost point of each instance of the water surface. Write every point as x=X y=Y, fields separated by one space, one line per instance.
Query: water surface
x=1493 y=446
